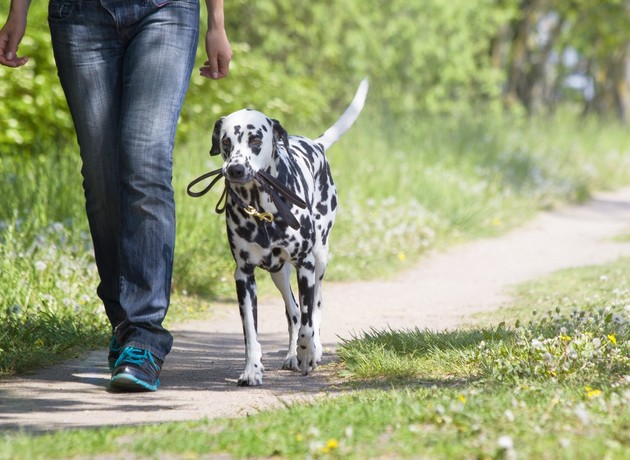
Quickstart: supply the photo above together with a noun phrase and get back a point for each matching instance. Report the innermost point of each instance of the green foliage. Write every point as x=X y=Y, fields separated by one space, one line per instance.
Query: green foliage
x=48 y=305
x=596 y=29
x=589 y=346
x=34 y=113
x=584 y=336
x=549 y=422
x=305 y=59
x=431 y=356
x=298 y=62
x=583 y=345
x=48 y=308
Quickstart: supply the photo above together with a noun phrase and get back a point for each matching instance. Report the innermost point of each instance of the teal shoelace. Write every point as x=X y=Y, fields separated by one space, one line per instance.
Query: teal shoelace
x=114 y=346
x=136 y=356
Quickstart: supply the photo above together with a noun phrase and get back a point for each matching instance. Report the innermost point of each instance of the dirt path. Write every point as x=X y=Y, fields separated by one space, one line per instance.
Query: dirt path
x=199 y=379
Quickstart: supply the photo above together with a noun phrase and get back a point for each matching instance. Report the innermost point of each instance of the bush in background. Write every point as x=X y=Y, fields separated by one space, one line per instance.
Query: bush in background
x=299 y=62
x=34 y=114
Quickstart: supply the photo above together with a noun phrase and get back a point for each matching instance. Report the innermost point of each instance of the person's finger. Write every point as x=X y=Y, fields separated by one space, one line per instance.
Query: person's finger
x=14 y=61
x=213 y=67
x=223 y=67
x=206 y=72
x=8 y=50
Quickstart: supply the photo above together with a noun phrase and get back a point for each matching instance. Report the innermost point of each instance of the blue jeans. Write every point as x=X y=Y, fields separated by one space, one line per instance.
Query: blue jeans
x=125 y=66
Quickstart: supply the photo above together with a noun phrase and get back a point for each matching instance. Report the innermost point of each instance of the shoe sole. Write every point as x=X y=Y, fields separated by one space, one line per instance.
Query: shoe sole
x=126 y=382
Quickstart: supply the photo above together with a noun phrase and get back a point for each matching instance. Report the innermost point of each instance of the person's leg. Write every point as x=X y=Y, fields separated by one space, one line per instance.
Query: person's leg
x=157 y=66
x=89 y=57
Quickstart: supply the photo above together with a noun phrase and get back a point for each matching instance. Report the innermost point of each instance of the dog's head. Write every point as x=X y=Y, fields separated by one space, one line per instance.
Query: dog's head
x=247 y=140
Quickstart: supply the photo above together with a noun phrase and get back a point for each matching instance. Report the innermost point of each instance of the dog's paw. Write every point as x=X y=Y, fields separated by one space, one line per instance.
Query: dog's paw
x=307 y=350
x=291 y=363
x=251 y=377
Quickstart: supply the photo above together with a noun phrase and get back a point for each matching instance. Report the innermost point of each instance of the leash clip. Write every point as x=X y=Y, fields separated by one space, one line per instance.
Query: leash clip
x=264 y=216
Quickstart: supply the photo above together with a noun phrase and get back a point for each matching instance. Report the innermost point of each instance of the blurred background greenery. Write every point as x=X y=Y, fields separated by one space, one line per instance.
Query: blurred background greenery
x=300 y=61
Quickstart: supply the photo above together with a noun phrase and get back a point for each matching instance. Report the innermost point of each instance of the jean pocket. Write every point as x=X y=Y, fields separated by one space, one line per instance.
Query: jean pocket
x=161 y=3
x=60 y=10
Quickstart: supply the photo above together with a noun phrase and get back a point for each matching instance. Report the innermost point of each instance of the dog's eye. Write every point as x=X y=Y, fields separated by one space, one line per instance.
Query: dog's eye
x=226 y=142
x=255 y=141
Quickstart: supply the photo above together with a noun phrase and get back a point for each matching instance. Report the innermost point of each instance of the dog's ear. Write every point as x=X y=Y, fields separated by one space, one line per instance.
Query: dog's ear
x=279 y=133
x=216 y=138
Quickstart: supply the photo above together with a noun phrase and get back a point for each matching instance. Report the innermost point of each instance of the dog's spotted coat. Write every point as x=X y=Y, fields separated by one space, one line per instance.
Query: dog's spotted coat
x=250 y=142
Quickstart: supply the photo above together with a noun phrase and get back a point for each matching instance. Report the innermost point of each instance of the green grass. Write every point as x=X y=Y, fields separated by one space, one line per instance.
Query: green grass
x=556 y=386
x=405 y=187
x=546 y=422
x=623 y=237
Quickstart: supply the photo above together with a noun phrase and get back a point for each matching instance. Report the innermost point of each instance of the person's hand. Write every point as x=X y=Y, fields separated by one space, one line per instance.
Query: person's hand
x=10 y=37
x=219 y=54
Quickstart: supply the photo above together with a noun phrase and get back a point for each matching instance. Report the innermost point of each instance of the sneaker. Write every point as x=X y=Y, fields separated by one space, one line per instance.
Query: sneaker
x=114 y=353
x=136 y=370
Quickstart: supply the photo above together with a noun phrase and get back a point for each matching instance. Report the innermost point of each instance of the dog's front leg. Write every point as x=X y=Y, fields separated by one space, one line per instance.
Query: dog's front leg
x=307 y=350
x=282 y=280
x=247 y=301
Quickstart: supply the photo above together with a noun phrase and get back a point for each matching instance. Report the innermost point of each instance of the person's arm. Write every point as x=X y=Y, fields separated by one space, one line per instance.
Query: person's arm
x=12 y=33
x=217 y=44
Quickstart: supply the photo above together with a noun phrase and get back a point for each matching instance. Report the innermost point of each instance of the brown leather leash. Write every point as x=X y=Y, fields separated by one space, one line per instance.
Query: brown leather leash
x=279 y=193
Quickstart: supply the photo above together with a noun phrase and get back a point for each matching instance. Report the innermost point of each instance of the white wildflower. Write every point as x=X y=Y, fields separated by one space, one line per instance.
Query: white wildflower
x=582 y=414
x=618 y=319
x=40 y=265
x=537 y=344
x=505 y=442
x=57 y=227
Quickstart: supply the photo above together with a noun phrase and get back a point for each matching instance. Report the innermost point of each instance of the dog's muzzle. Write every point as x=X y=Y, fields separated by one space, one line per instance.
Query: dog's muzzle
x=237 y=173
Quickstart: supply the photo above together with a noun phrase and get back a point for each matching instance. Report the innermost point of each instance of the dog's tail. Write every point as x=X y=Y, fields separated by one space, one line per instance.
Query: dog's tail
x=346 y=120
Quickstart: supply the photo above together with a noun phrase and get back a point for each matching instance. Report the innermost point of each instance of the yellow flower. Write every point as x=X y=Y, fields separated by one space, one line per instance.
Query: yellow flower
x=332 y=444
x=401 y=256
x=462 y=398
x=565 y=338
x=613 y=339
x=592 y=392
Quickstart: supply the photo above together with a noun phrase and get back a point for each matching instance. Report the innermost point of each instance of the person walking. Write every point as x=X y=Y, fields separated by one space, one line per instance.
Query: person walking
x=125 y=66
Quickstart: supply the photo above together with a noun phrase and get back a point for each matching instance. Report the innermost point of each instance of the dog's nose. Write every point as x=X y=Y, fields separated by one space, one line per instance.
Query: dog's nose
x=235 y=172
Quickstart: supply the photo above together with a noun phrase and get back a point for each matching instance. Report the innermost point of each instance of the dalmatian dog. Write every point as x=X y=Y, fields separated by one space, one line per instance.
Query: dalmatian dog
x=280 y=205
